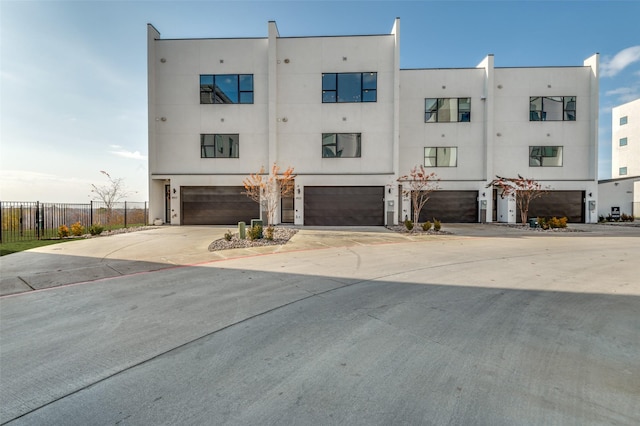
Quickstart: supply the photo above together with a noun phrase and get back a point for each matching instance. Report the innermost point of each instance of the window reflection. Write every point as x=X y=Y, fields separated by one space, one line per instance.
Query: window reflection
x=341 y=145
x=349 y=87
x=226 y=89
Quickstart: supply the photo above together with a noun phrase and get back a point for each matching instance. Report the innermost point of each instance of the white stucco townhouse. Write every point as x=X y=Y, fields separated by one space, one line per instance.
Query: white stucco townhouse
x=341 y=112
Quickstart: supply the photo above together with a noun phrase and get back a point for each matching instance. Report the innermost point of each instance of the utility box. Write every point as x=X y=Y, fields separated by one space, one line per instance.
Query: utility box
x=242 y=230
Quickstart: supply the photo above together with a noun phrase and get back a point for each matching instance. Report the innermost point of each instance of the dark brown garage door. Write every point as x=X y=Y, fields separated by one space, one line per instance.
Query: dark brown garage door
x=344 y=205
x=452 y=207
x=569 y=204
x=216 y=205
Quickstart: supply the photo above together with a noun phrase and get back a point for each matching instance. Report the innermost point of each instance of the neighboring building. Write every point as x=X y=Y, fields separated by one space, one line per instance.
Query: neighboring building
x=341 y=112
x=625 y=140
x=621 y=194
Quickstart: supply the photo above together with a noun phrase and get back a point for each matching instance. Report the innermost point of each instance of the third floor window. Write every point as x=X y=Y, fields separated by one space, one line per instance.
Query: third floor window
x=349 y=87
x=226 y=89
x=447 y=110
x=552 y=108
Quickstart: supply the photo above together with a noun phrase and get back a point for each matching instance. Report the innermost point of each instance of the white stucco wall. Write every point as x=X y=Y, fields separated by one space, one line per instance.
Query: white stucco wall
x=629 y=155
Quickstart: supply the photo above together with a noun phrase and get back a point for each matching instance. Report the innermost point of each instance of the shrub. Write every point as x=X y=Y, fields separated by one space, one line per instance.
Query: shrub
x=552 y=223
x=542 y=223
x=77 y=229
x=96 y=229
x=255 y=232
x=600 y=219
x=408 y=224
x=268 y=233
x=426 y=226
x=626 y=217
x=227 y=235
x=63 y=231
x=436 y=224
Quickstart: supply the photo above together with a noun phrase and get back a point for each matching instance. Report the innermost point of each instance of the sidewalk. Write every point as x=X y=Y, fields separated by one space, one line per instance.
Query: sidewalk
x=170 y=246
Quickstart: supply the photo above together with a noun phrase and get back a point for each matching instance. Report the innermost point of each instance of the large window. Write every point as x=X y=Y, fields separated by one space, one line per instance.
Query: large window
x=220 y=146
x=552 y=108
x=350 y=87
x=623 y=120
x=445 y=156
x=545 y=156
x=341 y=145
x=623 y=141
x=226 y=89
x=447 y=110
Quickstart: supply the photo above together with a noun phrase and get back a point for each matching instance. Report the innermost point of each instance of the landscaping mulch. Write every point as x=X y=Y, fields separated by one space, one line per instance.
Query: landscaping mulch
x=281 y=235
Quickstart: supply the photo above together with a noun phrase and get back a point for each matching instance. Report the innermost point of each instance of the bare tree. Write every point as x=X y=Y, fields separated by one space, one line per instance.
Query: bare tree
x=110 y=193
x=418 y=185
x=523 y=189
x=267 y=190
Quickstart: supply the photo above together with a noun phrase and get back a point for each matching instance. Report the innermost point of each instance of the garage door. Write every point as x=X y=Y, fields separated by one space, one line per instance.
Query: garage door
x=344 y=205
x=452 y=207
x=216 y=205
x=569 y=204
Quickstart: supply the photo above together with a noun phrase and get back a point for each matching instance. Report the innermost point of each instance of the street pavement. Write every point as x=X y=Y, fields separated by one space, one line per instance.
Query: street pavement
x=489 y=325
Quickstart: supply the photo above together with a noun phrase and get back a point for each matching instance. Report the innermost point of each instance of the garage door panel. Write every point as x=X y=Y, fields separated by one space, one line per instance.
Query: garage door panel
x=216 y=205
x=451 y=206
x=344 y=206
x=569 y=204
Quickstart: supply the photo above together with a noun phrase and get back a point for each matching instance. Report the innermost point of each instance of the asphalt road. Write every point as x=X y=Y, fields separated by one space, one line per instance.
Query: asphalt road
x=533 y=329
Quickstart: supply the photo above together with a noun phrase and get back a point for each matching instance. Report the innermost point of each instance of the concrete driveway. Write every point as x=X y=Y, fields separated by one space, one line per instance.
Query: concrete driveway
x=487 y=326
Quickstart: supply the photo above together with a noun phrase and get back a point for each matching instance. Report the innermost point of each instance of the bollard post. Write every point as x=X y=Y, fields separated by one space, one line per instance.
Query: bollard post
x=242 y=230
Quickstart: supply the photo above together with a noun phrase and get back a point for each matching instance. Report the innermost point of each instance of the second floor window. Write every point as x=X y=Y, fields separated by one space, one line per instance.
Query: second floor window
x=545 y=156
x=444 y=156
x=552 y=108
x=623 y=141
x=226 y=89
x=447 y=110
x=623 y=120
x=220 y=146
x=350 y=87
x=341 y=145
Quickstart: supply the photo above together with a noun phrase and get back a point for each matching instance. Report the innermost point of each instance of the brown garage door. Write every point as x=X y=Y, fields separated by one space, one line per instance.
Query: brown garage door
x=216 y=205
x=344 y=205
x=452 y=207
x=569 y=204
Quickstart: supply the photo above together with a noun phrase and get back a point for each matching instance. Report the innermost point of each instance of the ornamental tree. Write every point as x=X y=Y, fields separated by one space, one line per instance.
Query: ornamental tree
x=418 y=185
x=110 y=193
x=267 y=190
x=523 y=189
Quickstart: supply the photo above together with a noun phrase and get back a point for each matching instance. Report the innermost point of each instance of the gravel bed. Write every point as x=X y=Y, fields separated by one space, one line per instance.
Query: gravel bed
x=280 y=236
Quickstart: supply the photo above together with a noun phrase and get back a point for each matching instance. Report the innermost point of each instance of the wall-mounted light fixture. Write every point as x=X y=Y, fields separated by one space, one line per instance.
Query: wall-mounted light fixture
x=483 y=194
x=163 y=118
x=590 y=194
x=163 y=60
x=174 y=190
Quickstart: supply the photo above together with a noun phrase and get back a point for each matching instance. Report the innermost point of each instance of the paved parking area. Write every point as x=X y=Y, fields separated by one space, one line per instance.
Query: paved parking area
x=486 y=326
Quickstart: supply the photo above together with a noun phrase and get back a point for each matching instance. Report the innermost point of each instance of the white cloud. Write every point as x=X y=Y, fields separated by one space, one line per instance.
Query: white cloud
x=624 y=94
x=621 y=60
x=135 y=155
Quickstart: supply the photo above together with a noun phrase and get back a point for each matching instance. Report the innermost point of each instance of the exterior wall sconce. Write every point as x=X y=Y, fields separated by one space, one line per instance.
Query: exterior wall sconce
x=163 y=118
x=590 y=194
x=174 y=190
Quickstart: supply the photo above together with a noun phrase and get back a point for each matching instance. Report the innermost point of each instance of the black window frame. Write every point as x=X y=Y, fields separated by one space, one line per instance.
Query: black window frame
x=438 y=148
x=331 y=87
x=542 y=154
x=241 y=89
x=208 y=148
x=338 y=151
x=569 y=108
x=462 y=115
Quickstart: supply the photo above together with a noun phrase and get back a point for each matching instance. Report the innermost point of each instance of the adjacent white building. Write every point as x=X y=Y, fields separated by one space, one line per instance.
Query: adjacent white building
x=341 y=112
x=621 y=194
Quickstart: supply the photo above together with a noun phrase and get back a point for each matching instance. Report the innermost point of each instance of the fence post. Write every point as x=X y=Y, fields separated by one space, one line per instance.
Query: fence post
x=146 y=214
x=125 y=214
x=1 y=221
x=91 y=213
x=37 y=224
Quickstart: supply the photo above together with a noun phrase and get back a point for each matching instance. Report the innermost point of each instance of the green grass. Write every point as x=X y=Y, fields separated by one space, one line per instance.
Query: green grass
x=8 y=248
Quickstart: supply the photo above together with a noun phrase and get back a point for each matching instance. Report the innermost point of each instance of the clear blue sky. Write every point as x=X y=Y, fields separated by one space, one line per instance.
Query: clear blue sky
x=74 y=84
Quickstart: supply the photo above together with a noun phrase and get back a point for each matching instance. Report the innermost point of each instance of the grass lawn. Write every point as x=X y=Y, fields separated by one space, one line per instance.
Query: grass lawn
x=8 y=248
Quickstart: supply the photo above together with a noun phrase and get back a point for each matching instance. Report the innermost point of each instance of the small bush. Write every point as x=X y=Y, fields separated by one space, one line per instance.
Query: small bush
x=600 y=219
x=77 y=229
x=552 y=223
x=542 y=223
x=255 y=232
x=626 y=217
x=426 y=226
x=96 y=229
x=408 y=224
x=63 y=231
x=268 y=233
x=436 y=224
x=227 y=235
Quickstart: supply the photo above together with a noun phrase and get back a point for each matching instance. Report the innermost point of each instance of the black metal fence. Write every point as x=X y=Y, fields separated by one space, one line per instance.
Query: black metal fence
x=33 y=220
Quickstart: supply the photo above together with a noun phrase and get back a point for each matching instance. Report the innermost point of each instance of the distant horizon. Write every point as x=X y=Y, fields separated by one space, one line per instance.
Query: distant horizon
x=74 y=79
